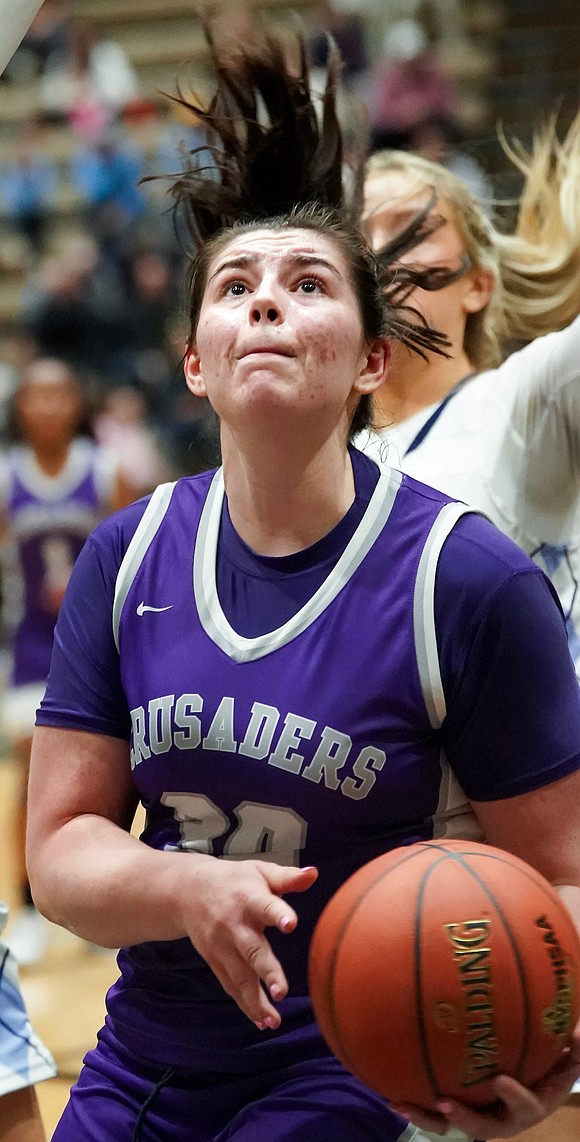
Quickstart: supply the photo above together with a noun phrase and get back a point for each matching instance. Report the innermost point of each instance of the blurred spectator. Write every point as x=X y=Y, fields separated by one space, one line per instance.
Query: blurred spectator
x=28 y=186
x=441 y=140
x=16 y=353
x=89 y=84
x=72 y=308
x=408 y=85
x=123 y=429
x=187 y=425
x=105 y=174
x=180 y=133
x=150 y=305
x=347 y=30
x=46 y=41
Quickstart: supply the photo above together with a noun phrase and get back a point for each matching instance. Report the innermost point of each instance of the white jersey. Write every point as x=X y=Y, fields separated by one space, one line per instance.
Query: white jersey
x=24 y=1060
x=508 y=444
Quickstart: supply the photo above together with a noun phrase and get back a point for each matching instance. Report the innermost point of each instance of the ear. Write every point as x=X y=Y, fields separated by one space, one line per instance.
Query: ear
x=193 y=373
x=480 y=285
x=374 y=368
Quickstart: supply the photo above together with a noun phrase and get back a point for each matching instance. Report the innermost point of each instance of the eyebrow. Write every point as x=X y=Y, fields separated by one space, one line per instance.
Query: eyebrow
x=305 y=260
x=302 y=260
x=231 y=264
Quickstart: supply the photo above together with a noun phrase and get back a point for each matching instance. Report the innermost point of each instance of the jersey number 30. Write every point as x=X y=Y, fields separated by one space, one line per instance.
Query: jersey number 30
x=265 y=832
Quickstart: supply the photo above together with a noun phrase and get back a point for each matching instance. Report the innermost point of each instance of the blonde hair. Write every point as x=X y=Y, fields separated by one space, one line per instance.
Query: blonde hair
x=541 y=259
x=535 y=269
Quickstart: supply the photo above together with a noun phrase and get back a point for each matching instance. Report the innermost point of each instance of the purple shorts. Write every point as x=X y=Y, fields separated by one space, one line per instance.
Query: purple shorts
x=123 y=1097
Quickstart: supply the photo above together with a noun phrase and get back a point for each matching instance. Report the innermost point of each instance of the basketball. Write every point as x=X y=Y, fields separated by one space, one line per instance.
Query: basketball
x=438 y=966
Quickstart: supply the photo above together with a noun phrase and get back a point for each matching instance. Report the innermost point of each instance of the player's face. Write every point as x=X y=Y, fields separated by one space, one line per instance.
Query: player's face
x=280 y=330
x=48 y=410
x=392 y=200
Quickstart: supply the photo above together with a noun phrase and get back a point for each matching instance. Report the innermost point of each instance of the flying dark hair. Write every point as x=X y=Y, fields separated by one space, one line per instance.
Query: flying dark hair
x=270 y=150
x=277 y=161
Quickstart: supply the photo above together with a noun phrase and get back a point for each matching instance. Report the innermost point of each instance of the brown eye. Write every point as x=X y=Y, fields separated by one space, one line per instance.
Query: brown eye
x=310 y=285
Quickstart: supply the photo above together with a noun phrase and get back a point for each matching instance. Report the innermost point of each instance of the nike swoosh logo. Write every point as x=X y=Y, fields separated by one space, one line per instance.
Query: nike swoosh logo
x=143 y=607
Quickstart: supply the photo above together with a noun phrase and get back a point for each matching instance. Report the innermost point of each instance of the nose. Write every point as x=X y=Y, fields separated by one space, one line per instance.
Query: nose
x=266 y=306
x=269 y=313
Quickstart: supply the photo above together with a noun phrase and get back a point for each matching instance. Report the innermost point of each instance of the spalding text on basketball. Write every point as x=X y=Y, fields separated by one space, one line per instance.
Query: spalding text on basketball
x=472 y=954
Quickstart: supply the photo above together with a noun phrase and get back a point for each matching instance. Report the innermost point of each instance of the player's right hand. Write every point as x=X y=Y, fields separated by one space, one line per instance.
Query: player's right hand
x=225 y=918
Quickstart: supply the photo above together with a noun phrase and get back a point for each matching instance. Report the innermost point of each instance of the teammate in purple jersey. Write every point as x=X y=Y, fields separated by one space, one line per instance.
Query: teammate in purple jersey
x=295 y=663
x=55 y=487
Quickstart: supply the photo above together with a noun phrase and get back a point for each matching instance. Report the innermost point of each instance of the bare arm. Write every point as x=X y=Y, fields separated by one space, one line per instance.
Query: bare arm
x=20 y=1119
x=90 y=875
x=79 y=845
x=542 y=828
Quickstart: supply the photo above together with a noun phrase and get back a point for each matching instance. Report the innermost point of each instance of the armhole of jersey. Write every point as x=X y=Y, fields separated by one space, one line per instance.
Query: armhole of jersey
x=424 y=611
x=147 y=528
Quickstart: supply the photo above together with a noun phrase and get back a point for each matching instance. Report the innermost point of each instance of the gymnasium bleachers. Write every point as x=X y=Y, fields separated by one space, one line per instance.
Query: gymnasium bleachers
x=161 y=41
x=512 y=60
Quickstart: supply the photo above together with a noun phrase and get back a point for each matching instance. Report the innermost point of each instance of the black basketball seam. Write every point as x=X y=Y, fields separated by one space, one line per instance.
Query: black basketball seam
x=331 y=992
x=418 y=981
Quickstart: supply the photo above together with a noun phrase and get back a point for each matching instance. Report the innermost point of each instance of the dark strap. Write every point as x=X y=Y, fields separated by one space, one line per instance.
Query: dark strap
x=165 y=1078
x=425 y=430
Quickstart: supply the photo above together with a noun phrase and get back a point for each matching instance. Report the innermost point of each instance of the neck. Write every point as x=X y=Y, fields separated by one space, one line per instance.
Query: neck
x=283 y=500
x=413 y=384
x=51 y=458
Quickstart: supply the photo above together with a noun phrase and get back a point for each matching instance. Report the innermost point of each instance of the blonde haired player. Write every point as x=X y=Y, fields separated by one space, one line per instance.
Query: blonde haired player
x=500 y=432
x=23 y=1058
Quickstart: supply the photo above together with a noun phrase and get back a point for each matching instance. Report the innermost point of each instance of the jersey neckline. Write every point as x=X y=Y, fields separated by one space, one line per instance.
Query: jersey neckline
x=209 y=608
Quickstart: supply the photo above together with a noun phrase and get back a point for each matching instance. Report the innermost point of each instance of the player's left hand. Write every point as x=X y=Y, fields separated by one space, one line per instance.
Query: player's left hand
x=517 y=1108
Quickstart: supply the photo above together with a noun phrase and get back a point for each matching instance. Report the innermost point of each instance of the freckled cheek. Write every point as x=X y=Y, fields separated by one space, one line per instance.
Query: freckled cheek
x=215 y=344
x=328 y=356
x=329 y=349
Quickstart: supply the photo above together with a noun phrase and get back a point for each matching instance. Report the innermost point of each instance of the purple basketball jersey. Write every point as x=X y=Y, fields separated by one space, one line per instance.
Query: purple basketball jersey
x=48 y=519
x=353 y=726
x=268 y=747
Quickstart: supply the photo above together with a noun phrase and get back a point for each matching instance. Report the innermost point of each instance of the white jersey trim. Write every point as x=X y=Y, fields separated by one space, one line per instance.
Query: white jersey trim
x=148 y=527
x=80 y=459
x=211 y=615
x=454 y=818
x=424 y=611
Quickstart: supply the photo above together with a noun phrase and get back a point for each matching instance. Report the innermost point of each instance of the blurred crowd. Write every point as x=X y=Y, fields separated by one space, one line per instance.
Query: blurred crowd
x=105 y=296
x=90 y=238
x=103 y=292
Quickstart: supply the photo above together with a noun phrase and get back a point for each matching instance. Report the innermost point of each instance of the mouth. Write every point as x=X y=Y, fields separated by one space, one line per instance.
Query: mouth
x=266 y=351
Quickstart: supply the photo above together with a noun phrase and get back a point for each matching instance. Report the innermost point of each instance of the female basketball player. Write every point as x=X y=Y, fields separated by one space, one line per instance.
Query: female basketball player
x=504 y=437
x=240 y=654
x=55 y=486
